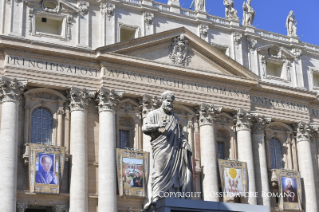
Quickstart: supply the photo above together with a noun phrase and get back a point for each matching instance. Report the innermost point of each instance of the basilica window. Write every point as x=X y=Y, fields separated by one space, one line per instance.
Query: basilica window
x=274 y=69
x=275 y=154
x=221 y=150
x=124 y=139
x=126 y=132
x=41 y=126
x=127 y=32
x=49 y=25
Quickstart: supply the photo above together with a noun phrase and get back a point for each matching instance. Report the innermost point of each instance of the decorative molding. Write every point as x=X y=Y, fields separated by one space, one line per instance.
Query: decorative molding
x=288 y=68
x=127 y=106
x=107 y=9
x=83 y=7
x=224 y=120
x=207 y=114
x=237 y=38
x=148 y=18
x=297 y=53
x=303 y=131
x=259 y=123
x=10 y=90
x=252 y=44
x=55 y=2
x=80 y=98
x=69 y=24
x=203 y=30
x=60 y=111
x=31 y=11
x=179 y=52
x=108 y=99
x=243 y=120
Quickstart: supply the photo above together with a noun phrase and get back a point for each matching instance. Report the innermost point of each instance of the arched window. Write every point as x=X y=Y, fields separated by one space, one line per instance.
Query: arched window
x=275 y=154
x=41 y=126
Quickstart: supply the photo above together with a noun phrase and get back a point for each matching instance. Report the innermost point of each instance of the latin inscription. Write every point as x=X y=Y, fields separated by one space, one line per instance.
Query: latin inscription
x=51 y=66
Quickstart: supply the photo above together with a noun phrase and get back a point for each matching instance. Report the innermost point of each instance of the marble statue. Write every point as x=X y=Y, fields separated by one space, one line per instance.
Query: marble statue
x=172 y=166
x=291 y=24
x=249 y=14
x=230 y=11
x=200 y=5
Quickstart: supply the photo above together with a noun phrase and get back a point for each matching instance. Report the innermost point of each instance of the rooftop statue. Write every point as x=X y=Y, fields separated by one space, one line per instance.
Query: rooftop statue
x=291 y=24
x=200 y=5
x=172 y=167
x=249 y=14
x=230 y=11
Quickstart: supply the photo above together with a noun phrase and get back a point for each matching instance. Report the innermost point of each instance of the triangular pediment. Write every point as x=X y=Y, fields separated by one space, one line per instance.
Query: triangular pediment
x=179 y=47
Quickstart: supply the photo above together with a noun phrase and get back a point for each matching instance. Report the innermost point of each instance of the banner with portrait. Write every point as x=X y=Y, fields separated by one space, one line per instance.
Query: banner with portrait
x=233 y=175
x=289 y=185
x=132 y=172
x=46 y=165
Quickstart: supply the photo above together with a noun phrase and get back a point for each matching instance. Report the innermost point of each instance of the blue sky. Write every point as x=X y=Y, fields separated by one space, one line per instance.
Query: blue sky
x=271 y=15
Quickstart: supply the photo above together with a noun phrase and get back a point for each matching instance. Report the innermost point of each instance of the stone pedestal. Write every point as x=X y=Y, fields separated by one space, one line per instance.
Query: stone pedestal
x=245 y=150
x=208 y=147
x=107 y=144
x=306 y=166
x=78 y=149
x=260 y=160
x=10 y=91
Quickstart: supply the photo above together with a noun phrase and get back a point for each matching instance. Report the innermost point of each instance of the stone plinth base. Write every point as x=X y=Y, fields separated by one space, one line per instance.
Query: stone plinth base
x=184 y=205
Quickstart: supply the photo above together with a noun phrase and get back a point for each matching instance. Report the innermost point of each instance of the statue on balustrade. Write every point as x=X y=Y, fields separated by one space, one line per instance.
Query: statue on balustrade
x=249 y=14
x=291 y=24
x=230 y=11
x=200 y=5
x=172 y=167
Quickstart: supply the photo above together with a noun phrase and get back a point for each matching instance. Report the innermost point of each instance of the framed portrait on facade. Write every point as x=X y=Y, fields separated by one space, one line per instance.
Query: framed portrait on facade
x=132 y=171
x=233 y=175
x=289 y=184
x=46 y=166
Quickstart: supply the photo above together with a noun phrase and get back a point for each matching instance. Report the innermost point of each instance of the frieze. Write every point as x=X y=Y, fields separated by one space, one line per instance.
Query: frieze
x=54 y=67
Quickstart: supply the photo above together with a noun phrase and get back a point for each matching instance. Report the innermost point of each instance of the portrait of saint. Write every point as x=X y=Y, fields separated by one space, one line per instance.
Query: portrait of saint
x=289 y=189
x=45 y=172
x=132 y=172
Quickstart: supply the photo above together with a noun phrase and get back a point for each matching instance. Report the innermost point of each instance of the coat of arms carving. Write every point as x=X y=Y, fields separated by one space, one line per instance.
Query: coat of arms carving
x=179 y=51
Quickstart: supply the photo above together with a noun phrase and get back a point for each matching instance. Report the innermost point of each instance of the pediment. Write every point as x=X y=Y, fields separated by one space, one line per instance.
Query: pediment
x=275 y=51
x=182 y=48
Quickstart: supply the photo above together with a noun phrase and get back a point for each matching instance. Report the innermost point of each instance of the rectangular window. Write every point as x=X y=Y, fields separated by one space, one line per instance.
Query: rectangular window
x=274 y=69
x=127 y=34
x=124 y=139
x=221 y=154
x=49 y=25
x=315 y=79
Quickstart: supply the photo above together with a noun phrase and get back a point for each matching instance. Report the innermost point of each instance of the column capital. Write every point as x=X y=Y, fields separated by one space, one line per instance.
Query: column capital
x=149 y=103
x=259 y=123
x=243 y=120
x=21 y=207
x=10 y=90
x=60 y=111
x=206 y=113
x=303 y=131
x=59 y=208
x=80 y=98
x=108 y=99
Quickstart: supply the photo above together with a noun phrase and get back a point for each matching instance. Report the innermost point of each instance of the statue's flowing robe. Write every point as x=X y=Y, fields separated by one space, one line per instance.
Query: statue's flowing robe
x=172 y=164
x=249 y=15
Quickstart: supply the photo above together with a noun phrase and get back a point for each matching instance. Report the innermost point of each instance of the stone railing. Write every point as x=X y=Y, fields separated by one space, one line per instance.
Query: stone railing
x=161 y=6
x=272 y=35
x=218 y=20
x=186 y=12
x=312 y=47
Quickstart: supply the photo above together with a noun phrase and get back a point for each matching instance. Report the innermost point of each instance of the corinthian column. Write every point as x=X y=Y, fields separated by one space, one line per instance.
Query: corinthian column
x=305 y=165
x=260 y=161
x=245 y=149
x=10 y=91
x=208 y=150
x=78 y=149
x=107 y=144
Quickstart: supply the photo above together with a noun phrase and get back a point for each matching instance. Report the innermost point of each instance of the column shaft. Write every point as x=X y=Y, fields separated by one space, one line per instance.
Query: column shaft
x=260 y=161
x=307 y=174
x=8 y=152
x=107 y=162
x=209 y=162
x=78 y=151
